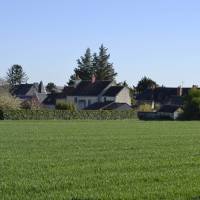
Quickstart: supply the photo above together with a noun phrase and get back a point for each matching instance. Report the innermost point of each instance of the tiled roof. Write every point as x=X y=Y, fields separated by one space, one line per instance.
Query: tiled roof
x=50 y=99
x=162 y=95
x=98 y=105
x=87 y=88
x=68 y=90
x=22 y=89
x=109 y=105
x=168 y=109
x=113 y=91
x=118 y=106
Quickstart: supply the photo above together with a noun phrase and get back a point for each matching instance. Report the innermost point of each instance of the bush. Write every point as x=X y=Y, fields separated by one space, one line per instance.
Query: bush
x=31 y=104
x=8 y=102
x=66 y=106
x=145 y=108
x=66 y=115
x=192 y=105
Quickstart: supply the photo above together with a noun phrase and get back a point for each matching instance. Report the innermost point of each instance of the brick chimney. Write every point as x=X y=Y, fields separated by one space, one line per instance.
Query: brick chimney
x=179 y=91
x=93 y=78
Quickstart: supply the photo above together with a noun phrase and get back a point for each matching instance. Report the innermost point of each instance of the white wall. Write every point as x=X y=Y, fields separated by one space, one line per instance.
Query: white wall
x=123 y=96
x=92 y=100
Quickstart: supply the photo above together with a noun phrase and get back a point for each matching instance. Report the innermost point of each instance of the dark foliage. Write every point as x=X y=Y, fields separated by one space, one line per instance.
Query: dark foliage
x=145 y=83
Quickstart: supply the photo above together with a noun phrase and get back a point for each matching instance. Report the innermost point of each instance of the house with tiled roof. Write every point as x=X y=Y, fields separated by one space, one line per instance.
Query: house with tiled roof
x=30 y=91
x=86 y=93
x=163 y=96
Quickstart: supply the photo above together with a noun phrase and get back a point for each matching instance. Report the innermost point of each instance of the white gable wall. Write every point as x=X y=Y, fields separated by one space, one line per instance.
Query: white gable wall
x=123 y=96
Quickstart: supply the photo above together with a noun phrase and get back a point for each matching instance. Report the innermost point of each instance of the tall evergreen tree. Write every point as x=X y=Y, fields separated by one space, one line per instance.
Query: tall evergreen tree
x=16 y=75
x=97 y=65
x=103 y=69
x=84 y=69
x=85 y=66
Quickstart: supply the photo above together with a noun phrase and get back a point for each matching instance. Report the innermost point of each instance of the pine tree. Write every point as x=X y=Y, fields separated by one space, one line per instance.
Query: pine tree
x=97 y=65
x=103 y=69
x=85 y=66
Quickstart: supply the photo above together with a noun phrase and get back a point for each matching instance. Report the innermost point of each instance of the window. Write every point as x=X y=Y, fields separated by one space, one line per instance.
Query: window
x=89 y=102
x=104 y=99
x=82 y=104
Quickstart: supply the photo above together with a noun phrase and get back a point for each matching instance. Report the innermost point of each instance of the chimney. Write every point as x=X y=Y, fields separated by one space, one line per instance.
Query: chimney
x=93 y=78
x=179 y=91
x=195 y=86
x=41 y=88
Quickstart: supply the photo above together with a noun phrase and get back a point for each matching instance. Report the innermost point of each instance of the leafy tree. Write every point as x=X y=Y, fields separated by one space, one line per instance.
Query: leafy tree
x=51 y=87
x=104 y=70
x=16 y=75
x=145 y=83
x=192 y=104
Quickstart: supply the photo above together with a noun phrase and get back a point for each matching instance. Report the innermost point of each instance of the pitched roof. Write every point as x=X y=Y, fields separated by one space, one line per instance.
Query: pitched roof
x=162 y=94
x=108 y=105
x=68 y=90
x=113 y=91
x=22 y=89
x=50 y=99
x=169 y=108
x=87 y=88
x=98 y=105
x=118 y=106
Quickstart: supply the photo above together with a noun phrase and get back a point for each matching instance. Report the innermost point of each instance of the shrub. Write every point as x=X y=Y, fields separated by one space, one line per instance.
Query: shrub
x=66 y=106
x=8 y=102
x=31 y=104
x=145 y=108
x=192 y=104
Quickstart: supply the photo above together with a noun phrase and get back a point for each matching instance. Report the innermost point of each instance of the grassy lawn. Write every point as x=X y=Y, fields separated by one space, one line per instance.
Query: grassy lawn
x=90 y=160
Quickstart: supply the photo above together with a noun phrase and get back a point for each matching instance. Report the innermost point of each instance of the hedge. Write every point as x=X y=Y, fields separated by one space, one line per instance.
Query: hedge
x=65 y=115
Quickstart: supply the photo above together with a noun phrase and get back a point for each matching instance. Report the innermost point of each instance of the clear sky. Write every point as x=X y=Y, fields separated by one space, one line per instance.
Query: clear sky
x=156 y=38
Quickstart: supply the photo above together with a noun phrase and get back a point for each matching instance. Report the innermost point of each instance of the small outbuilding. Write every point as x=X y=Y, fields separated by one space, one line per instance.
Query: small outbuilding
x=170 y=112
x=166 y=112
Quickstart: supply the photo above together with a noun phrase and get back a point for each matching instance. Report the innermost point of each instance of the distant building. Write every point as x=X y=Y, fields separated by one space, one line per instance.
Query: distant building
x=30 y=91
x=167 y=112
x=163 y=96
x=85 y=93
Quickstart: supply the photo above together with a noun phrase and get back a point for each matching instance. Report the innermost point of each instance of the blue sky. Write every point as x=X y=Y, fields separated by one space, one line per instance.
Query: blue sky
x=156 y=38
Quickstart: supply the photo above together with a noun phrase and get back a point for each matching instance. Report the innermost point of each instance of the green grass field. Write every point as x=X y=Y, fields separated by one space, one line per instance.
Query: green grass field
x=90 y=160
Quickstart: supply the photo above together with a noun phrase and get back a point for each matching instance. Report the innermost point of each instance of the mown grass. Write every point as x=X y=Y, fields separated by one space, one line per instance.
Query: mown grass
x=90 y=160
